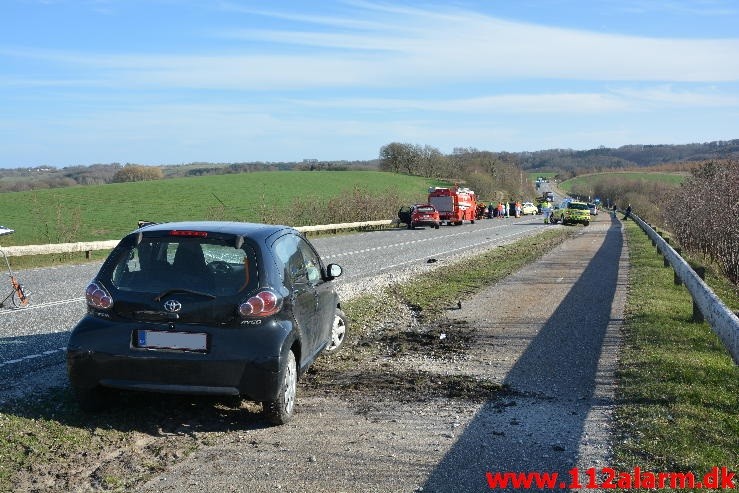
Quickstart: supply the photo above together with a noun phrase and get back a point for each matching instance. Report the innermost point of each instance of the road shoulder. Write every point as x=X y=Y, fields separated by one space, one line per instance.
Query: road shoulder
x=548 y=334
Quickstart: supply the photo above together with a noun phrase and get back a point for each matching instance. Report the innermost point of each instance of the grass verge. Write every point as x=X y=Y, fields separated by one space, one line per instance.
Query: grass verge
x=678 y=387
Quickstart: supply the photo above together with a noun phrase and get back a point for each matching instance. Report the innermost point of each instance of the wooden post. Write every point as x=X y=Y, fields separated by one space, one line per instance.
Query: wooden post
x=677 y=278
x=697 y=315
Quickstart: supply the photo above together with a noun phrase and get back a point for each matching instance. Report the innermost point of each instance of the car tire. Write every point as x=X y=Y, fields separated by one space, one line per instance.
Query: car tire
x=410 y=225
x=436 y=226
x=282 y=409
x=91 y=400
x=585 y=223
x=338 y=332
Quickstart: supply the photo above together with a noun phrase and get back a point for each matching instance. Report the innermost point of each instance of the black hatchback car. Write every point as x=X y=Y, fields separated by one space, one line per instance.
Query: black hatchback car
x=208 y=308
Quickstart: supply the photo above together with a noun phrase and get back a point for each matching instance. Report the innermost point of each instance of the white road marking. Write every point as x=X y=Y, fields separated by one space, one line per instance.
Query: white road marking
x=40 y=305
x=32 y=356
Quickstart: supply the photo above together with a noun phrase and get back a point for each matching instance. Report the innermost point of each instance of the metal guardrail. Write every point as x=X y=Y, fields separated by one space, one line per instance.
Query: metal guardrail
x=23 y=250
x=721 y=319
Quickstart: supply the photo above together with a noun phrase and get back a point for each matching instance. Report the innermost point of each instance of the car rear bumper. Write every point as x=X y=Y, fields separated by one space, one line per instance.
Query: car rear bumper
x=238 y=361
x=426 y=222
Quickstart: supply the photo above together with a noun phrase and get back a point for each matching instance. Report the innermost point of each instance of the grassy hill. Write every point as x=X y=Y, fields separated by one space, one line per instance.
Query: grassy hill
x=98 y=212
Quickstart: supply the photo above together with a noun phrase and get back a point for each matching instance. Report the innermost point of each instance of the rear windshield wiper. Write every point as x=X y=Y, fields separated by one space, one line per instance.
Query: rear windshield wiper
x=182 y=290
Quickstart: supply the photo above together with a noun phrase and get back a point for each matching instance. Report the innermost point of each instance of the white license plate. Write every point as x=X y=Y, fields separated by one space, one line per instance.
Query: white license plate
x=158 y=339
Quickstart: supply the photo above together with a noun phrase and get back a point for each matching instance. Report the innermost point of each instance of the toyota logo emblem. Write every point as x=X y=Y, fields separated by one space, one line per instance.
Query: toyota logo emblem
x=173 y=306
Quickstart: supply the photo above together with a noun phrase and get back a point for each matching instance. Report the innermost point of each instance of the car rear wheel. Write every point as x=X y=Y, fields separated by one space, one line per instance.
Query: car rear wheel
x=282 y=409
x=338 y=332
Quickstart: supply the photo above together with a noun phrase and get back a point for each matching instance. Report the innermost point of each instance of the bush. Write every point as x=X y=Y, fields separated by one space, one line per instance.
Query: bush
x=704 y=214
x=134 y=172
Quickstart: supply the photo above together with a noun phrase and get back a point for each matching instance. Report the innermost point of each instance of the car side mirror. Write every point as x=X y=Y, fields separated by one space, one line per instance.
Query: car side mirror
x=333 y=270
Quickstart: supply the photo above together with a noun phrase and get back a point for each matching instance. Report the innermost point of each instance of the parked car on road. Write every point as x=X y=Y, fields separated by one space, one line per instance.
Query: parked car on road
x=209 y=308
x=419 y=215
x=529 y=208
x=571 y=212
x=593 y=209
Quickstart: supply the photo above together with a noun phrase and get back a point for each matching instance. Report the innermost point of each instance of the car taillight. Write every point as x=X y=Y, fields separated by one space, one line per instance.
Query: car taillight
x=97 y=296
x=262 y=304
x=186 y=233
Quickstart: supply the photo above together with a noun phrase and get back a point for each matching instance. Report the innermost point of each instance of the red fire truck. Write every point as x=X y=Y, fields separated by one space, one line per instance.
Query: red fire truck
x=455 y=204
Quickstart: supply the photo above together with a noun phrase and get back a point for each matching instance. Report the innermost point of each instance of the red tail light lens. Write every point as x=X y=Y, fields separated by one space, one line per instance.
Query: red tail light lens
x=97 y=296
x=262 y=304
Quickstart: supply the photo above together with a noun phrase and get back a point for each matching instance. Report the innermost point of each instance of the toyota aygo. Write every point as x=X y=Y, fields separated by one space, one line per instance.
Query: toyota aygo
x=206 y=308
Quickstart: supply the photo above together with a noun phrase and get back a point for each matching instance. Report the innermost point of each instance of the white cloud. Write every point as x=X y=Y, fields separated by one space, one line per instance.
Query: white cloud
x=413 y=47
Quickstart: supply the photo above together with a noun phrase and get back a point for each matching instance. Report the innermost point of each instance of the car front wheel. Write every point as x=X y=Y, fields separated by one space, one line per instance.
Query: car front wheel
x=338 y=332
x=282 y=409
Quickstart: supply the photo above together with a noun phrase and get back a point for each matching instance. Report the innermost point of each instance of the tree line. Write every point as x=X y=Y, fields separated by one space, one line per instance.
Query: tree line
x=569 y=162
x=492 y=175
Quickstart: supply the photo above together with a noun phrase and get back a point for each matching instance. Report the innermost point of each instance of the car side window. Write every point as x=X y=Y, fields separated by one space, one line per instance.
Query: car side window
x=288 y=252
x=311 y=261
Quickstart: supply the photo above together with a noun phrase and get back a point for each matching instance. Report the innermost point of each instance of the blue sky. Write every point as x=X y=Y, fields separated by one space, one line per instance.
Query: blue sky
x=178 y=81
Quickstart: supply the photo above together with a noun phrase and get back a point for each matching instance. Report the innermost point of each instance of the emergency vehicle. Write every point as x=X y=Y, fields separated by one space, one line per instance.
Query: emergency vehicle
x=455 y=204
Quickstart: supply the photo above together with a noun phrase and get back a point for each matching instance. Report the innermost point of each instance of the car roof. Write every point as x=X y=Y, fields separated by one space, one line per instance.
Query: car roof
x=255 y=231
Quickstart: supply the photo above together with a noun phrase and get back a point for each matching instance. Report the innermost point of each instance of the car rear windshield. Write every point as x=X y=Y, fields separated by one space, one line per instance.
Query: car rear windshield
x=198 y=264
x=581 y=207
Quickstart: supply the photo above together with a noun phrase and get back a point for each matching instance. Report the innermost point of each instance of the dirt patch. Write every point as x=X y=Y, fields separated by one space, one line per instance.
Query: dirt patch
x=374 y=376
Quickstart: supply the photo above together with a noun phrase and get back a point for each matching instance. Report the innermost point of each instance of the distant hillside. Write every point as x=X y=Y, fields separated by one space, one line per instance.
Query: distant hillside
x=629 y=156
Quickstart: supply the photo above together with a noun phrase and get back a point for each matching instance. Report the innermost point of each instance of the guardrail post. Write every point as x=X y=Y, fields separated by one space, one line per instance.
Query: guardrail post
x=677 y=280
x=664 y=258
x=697 y=315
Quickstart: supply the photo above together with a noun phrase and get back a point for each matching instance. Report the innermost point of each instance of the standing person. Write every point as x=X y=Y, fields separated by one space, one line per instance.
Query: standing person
x=506 y=209
x=546 y=209
x=628 y=212
x=501 y=210
x=490 y=210
x=518 y=209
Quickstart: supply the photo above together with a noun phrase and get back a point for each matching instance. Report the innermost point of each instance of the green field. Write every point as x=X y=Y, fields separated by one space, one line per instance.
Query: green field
x=546 y=175
x=588 y=180
x=104 y=212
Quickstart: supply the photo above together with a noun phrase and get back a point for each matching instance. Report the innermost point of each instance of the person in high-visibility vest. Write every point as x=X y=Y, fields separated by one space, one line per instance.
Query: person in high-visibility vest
x=546 y=209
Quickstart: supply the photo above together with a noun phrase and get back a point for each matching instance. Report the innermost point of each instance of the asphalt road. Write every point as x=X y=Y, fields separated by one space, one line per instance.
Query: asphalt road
x=35 y=338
